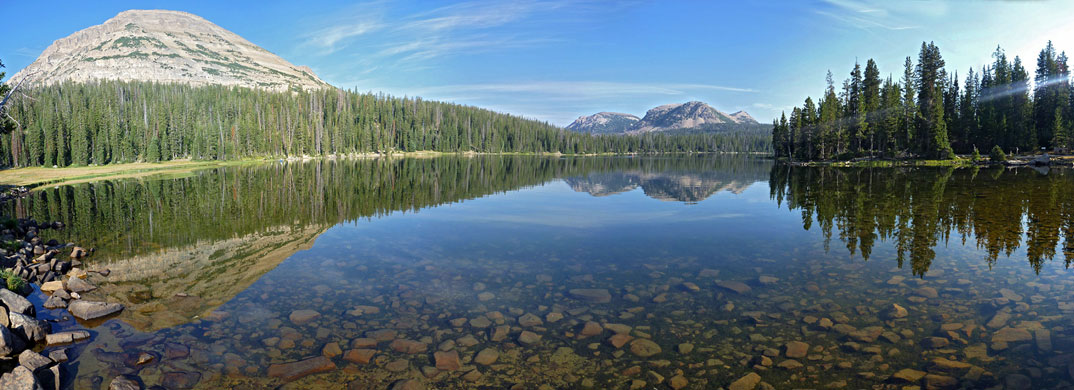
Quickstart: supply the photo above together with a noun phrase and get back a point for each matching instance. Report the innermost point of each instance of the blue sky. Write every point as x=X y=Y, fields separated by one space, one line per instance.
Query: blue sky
x=555 y=60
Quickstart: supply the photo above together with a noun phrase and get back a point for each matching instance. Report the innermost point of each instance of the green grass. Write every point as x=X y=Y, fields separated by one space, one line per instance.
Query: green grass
x=12 y=281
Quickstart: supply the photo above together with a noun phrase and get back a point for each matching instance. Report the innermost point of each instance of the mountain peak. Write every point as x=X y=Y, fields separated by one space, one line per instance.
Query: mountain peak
x=691 y=115
x=166 y=46
x=603 y=123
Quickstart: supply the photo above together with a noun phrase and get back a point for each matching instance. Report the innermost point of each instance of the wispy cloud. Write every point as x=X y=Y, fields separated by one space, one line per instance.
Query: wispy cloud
x=27 y=52
x=457 y=29
x=329 y=38
x=873 y=16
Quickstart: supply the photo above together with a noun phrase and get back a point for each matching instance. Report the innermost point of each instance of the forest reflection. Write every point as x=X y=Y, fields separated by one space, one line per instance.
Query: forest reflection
x=919 y=208
x=124 y=218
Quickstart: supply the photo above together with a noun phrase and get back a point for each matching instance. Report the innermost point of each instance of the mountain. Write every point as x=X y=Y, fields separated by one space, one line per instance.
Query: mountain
x=688 y=117
x=166 y=46
x=604 y=123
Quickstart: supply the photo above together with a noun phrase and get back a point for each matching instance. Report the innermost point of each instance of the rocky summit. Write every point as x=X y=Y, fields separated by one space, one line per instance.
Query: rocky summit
x=165 y=46
x=693 y=115
x=604 y=123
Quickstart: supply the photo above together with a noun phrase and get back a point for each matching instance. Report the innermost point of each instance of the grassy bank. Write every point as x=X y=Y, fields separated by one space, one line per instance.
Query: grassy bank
x=39 y=176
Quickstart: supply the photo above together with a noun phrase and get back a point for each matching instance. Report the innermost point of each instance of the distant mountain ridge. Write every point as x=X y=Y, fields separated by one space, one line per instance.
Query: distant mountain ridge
x=693 y=115
x=169 y=47
x=604 y=123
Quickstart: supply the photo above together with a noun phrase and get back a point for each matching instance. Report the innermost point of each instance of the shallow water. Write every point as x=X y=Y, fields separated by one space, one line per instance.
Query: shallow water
x=726 y=264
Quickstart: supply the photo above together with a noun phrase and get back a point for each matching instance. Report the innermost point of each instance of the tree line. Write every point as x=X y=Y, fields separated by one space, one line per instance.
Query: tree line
x=113 y=122
x=930 y=113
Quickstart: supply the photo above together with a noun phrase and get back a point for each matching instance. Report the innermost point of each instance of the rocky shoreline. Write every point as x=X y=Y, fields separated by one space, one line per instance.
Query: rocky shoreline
x=31 y=354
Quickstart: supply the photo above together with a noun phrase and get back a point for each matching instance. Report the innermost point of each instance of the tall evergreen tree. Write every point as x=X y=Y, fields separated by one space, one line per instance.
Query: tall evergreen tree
x=930 y=137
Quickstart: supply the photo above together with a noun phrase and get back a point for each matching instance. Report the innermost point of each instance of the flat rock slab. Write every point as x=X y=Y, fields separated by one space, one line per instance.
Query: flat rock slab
x=16 y=303
x=591 y=295
x=88 y=310
x=66 y=337
x=50 y=287
x=737 y=287
x=295 y=370
x=33 y=360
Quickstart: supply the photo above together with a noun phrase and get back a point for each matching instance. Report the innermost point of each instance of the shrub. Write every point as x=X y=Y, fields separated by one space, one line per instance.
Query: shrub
x=976 y=156
x=12 y=281
x=997 y=155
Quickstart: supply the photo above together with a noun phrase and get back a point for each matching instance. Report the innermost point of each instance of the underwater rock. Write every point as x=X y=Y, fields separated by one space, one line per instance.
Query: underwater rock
x=88 y=310
x=360 y=356
x=447 y=361
x=528 y=338
x=301 y=317
x=796 y=349
x=590 y=329
x=644 y=348
x=591 y=295
x=737 y=287
x=487 y=356
x=748 y=382
x=894 y=311
x=294 y=370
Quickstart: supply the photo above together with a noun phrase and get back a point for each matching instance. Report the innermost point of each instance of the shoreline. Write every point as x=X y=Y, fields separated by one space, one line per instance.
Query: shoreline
x=39 y=177
x=1057 y=161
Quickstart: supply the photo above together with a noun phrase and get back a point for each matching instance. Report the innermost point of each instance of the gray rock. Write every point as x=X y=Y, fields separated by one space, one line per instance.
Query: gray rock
x=55 y=302
x=88 y=310
x=20 y=378
x=15 y=302
x=30 y=328
x=10 y=344
x=33 y=360
x=66 y=337
x=62 y=294
x=79 y=285
x=58 y=356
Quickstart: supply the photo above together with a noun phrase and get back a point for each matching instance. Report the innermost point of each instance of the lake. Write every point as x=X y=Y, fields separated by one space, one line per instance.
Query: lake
x=599 y=272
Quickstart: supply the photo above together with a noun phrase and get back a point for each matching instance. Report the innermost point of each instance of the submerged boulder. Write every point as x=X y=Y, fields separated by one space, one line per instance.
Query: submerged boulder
x=88 y=310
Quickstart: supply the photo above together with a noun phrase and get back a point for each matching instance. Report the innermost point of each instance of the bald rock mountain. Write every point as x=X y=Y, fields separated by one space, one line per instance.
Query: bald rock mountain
x=685 y=117
x=169 y=47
